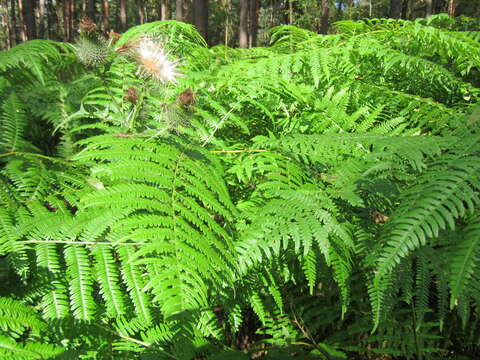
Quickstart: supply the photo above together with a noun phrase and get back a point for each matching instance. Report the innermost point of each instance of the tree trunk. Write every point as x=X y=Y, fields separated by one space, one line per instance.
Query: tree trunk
x=179 y=10
x=201 y=17
x=122 y=15
x=91 y=9
x=396 y=9
x=243 y=31
x=141 y=11
x=290 y=12
x=66 y=20
x=105 y=15
x=14 y=36
x=428 y=8
x=41 y=19
x=71 y=19
x=452 y=7
x=163 y=10
x=254 y=12
x=410 y=10
x=21 y=26
x=325 y=17
x=28 y=11
x=54 y=28
x=6 y=24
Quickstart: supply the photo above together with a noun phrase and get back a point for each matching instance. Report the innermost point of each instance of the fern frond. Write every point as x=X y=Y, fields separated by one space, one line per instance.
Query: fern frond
x=13 y=127
x=55 y=303
x=36 y=56
x=465 y=258
x=108 y=277
x=165 y=207
x=12 y=350
x=440 y=197
x=187 y=39
x=81 y=282
x=132 y=277
x=19 y=328
x=16 y=317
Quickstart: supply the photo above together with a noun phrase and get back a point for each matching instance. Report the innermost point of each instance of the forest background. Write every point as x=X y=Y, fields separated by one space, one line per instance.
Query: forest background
x=243 y=23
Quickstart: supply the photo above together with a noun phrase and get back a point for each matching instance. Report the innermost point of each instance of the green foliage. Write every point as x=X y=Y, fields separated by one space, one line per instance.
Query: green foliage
x=20 y=330
x=316 y=197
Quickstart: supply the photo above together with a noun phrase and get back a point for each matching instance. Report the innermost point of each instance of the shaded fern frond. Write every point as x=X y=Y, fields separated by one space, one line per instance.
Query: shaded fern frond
x=36 y=56
x=13 y=127
x=20 y=330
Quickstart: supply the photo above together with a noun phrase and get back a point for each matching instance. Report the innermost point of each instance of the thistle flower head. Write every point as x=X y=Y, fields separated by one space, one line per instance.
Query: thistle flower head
x=87 y=26
x=154 y=61
x=131 y=95
x=92 y=51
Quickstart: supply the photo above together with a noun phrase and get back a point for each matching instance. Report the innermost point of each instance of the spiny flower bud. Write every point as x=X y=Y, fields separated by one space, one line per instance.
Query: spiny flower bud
x=186 y=98
x=87 y=26
x=131 y=95
x=92 y=52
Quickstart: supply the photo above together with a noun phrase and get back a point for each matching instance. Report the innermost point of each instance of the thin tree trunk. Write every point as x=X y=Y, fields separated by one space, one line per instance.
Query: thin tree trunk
x=28 y=11
x=452 y=7
x=71 y=20
x=409 y=11
x=21 y=26
x=325 y=17
x=105 y=15
x=6 y=24
x=122 y=17
x=163 y=10
x=179 y=10
x=272 y=11
x=396 y=9
x=254 y=12
x=41 y=19
x=141 y=11
x=54 y=28
x=201 y=17
x=91 y=9
x=243 y=34
x=227 y=9
x=428 y=8
x=13 y=28
x=66 y=20
x=227 y=29
x=187 y=17
x=290 y=12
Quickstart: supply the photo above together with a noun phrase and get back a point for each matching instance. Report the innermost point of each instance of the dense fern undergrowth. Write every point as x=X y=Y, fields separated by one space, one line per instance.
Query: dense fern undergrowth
x=315 y=199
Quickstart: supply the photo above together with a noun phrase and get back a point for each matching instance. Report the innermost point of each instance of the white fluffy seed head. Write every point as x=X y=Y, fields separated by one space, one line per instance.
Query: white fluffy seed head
x=154 y=61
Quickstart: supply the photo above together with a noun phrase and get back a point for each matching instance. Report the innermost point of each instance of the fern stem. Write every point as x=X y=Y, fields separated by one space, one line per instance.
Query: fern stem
x=415 y=337
x=307 y=334
x=136 y=341
x=109 y=91
x=26 y=154
x=78 y=242
x=237 y=151
x=223 y=120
